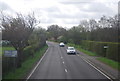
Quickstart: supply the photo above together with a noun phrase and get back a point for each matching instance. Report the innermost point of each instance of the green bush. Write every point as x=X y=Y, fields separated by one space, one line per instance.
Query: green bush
x=98 y=48
x=28 y=51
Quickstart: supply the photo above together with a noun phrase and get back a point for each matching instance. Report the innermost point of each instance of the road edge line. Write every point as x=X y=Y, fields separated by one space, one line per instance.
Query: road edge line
x=37 y=65
x=98 y=69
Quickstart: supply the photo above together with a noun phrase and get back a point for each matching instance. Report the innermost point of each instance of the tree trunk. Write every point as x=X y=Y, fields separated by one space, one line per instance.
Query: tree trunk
x=19 y=59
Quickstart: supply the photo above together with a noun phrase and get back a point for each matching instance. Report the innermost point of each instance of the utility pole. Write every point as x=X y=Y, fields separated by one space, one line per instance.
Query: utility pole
x=119 y=10
x=118 y=29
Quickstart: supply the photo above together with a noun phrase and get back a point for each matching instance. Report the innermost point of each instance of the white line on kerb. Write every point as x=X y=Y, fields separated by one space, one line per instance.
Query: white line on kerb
x=37 y=65
x=97 y=69
x=100 y=71
x=66 y=70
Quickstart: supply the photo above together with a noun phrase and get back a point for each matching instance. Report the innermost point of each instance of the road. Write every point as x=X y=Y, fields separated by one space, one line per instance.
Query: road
x=57 y=64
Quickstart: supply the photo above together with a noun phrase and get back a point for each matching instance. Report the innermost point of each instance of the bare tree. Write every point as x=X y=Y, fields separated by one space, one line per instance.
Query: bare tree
x=85 y=24
x=17 y=30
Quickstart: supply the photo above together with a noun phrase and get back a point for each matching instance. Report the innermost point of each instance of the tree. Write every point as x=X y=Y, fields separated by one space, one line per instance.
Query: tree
x=41 y=36
x=37 y=40
x=85 y=25
x=17 y=30
x=76 y=34
x=103 y=22
x=55 y=31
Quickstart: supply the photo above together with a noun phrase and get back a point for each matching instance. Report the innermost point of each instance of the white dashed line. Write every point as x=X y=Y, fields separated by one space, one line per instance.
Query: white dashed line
x=66 y=70
x=61 y=57
x=63 y=62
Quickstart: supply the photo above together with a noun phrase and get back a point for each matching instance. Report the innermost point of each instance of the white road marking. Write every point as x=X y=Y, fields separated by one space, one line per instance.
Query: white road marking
x=88 y=62
x=61 y=57
x=37 y=65
x=63 y=62
x=66 y=70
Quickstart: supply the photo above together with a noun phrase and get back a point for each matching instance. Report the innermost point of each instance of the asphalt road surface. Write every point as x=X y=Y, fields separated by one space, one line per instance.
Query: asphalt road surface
x=57 y=64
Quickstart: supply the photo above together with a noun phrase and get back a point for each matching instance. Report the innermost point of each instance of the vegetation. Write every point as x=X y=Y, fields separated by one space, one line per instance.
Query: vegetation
x=104 y=30
x=112 y=63
x=7 y=48
x=2 y=49
x=26 y=66
x=36 y=41
x=110 y=52
x=20 y=33
x=17 y=30
x=109 y=62
x=54 y=31
x=92 y=35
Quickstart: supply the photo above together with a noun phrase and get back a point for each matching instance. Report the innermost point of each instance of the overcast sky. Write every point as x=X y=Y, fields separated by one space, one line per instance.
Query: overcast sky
x=65 y=13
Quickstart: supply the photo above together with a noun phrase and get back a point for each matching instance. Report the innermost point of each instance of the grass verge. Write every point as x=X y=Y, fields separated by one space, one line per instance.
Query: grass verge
x=26 y=66
x=113 y=64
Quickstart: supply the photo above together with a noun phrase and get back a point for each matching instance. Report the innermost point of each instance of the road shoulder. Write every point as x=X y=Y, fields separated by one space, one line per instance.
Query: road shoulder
x=112 y=73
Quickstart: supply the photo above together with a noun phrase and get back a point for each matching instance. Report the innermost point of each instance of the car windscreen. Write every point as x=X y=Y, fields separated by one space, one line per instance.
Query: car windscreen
x=71 y=49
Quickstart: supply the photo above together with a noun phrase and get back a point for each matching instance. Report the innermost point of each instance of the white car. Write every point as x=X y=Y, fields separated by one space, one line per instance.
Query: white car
x=71 y=50
x=61 y=44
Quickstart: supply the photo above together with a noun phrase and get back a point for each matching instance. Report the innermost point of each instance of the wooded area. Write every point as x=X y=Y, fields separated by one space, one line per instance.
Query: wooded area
x=106 y=29
x=21 y=34
x=92 y=35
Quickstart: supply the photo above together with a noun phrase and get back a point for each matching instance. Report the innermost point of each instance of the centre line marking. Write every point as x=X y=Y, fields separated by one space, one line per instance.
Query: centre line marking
x=63 y=62
x=66 y=70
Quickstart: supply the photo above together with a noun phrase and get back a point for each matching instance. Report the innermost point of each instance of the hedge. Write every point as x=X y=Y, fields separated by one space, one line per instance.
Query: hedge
x=112 y=52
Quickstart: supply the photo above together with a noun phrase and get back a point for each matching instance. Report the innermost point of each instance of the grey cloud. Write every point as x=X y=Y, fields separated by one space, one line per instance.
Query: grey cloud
x=76 y=1
x=4 y=6
x=98 y=7
x=95 y=8
x=52 y=9
x=60 y=15
x=94 y=11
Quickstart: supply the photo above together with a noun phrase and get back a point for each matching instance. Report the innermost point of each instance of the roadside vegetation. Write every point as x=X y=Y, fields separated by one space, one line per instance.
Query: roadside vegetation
x=7 y=48
x=21 y=34
x=2 y=49
x=112 y=63
x=109 y=62
x=27 y=65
